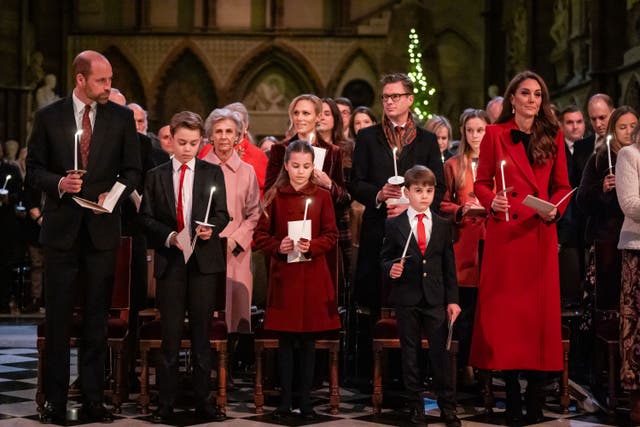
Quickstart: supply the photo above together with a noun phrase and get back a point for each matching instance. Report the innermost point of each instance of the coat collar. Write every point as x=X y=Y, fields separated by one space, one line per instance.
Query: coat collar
x=516 y=154
x=232 y=162
x=307 y=190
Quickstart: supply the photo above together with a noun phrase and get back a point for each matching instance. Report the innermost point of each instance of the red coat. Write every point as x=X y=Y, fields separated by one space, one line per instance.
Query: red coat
x=300 y=296
x=517 y=324
x=470 y=229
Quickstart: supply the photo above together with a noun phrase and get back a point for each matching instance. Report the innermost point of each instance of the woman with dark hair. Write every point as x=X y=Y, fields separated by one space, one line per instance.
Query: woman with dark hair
x=517 y=323
x=628 y=177
x=362 y=117
x=597 y=198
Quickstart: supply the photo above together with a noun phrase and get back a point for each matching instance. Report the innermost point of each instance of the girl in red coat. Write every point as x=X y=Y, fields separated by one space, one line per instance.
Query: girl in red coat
x=517 y=324
x=301 y=298
x=461 y=206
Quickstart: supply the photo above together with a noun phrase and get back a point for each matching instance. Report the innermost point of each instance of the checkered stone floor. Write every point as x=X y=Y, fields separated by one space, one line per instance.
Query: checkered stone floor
x=18 y=384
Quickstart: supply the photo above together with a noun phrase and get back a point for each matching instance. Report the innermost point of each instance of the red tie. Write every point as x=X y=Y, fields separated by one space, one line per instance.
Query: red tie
x=422 y=235
x=85 y=139
x=179 y=212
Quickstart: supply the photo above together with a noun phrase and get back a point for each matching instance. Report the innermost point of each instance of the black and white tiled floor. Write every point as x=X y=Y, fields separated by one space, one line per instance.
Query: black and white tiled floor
x=18 y=384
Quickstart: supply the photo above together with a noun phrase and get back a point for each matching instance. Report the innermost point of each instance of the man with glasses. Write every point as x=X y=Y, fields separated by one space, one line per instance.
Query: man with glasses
x=373 y=165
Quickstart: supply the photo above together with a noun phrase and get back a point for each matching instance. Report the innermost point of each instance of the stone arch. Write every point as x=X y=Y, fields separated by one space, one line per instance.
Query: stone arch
x=184 y=84
x=355 y=65
x=632 y=92
x=125 y=76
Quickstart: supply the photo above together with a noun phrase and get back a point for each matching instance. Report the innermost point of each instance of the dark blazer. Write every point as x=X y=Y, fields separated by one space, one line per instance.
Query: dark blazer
x=432 y=275
x=114 y=155
x=158 y=215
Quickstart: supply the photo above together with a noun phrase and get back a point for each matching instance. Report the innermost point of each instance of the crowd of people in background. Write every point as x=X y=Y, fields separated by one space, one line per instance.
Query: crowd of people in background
x=516 y=267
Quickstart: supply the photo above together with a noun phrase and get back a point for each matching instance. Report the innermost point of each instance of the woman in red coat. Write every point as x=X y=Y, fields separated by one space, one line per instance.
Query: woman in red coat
x=301 y=298
x=517 y=325
x=463 y=209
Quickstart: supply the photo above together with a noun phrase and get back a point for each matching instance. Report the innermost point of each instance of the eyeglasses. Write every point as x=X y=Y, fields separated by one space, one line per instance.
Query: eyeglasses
x=393 y=97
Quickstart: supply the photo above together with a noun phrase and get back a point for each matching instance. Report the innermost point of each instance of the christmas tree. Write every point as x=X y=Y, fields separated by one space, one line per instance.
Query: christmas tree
x=422 y=93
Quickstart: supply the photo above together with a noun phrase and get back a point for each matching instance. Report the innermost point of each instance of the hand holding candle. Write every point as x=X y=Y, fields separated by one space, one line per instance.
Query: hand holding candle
x=609 y=153
x=504 y=186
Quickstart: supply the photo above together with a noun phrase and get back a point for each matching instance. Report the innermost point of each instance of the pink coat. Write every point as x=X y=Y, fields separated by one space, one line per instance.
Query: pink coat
x=517 y=324
x=243 y=204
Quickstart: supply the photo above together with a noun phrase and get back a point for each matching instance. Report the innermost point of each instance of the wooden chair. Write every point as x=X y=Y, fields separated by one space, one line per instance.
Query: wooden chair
x=265 y=340
x=117 y=329
x=150 y=338
x=385 y=336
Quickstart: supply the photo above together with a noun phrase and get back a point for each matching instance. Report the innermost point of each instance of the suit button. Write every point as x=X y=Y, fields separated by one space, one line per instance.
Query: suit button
x=424 y=274
x=514 y=194
x=535 y=194
x=515 y=216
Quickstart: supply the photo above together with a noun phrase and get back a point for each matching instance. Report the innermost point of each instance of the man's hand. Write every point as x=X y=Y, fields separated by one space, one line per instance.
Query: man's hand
x=71 y=183
x=203 y=232
x=453 y=310
x=101 y=198
x=396 y=270
x=395 y=210
x=389 y=191
x=173 y=241
x=286 y=245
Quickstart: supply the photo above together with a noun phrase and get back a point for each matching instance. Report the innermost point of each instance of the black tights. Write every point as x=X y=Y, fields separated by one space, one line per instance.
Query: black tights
x=534 y=396
x=307 y=359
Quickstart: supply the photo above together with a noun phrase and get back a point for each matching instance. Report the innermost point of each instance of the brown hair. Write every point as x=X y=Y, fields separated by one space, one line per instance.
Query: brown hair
x=613 y=120
x=407 y=84
x=186 y=119
x=297 y=146
x=419 y=175
x=545 y=126
x=82 y=62
x=436 y=122
x=462 y=156
x=360 y=110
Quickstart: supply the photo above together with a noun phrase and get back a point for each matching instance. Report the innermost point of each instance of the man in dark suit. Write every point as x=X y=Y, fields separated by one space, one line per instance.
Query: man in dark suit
x=176 y=195
x=424 y=291
x=372 y=167
x=74 y=238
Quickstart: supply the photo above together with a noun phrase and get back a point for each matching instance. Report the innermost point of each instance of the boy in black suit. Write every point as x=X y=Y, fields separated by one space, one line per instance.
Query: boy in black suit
x=176 y=194
x=424 y=291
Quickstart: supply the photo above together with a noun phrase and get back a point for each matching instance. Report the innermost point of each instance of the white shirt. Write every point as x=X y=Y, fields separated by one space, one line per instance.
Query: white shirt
x=427 y=222
x=78 y=111
x=187 y=191
x=570 y=145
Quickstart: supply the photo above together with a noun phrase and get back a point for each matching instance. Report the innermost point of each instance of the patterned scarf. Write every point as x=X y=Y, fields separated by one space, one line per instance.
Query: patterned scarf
x=402 y=138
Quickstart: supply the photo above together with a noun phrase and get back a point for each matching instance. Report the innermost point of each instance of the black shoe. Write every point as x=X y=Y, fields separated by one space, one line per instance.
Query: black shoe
x=308 y=414
x=95 y=412
x=514 y=418
x=280 y=414
x=162 y=414
x=208 y=412
x=417 y=417
x=53 y=414
x=450 y=419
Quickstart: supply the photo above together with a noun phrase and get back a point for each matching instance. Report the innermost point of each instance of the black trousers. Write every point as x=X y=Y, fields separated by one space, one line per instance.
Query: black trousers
x=307 y=360
x=184 y=288
x=61 y=268
x=413 y=323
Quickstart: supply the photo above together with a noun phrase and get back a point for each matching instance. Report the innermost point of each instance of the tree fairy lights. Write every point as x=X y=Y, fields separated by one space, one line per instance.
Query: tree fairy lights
x=422 y=93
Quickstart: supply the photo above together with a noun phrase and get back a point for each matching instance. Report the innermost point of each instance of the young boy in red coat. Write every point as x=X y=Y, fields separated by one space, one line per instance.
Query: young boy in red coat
x=424 y=291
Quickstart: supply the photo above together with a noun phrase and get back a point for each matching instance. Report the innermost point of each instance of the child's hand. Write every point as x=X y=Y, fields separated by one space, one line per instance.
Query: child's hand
x=173 y=241
x=286 y=245
x=203 y=232
x=304 y=245
x=453 y=310
x=396 y=270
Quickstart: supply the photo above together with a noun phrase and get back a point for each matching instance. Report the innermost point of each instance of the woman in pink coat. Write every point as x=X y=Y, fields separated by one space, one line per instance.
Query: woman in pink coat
x=224 y=129
x=517 y=324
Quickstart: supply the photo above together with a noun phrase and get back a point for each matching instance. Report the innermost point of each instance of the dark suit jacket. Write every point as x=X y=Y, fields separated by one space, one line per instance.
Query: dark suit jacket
x=158 y=215
x=114 y=155
x=432 y=275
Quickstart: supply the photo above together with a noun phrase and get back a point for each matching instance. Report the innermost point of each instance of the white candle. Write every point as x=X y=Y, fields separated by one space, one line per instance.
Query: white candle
x=395 y=162
x=406 y=245
x=304 y=218
x=504 y=186
x=75 y=149
x=206 y=217
x=8 y=177
x=609 y=152
x=442 y=157
x=474 y=166
x=311 y=136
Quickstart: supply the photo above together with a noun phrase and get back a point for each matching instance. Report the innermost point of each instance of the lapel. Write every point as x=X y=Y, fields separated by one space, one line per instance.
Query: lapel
x=517 y=157
x=166 y=182
x=405 y=230
x=382 y=141
x=199 y=185
x=68 y=124
x=434 y=237
x=98 y=135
